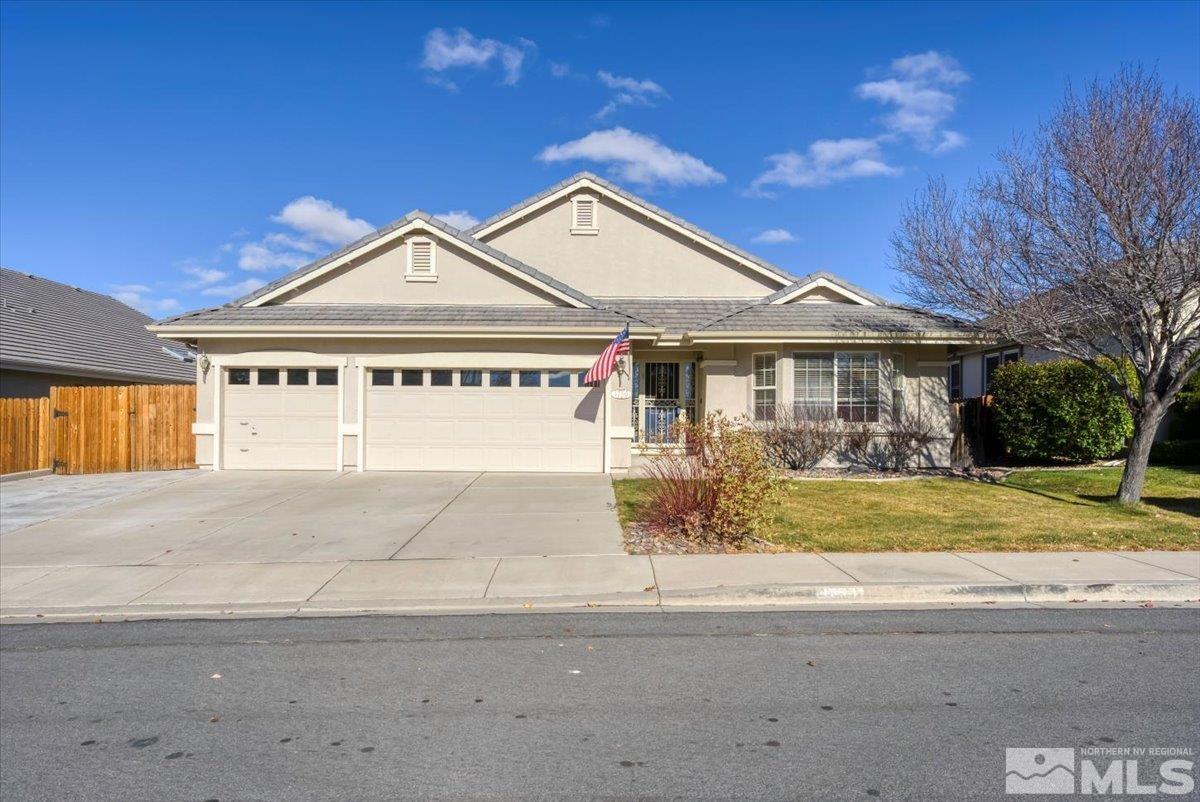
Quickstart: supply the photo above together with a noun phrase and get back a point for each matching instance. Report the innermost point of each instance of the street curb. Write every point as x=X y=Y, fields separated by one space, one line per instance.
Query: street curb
x=927 y=593
x=826 y=596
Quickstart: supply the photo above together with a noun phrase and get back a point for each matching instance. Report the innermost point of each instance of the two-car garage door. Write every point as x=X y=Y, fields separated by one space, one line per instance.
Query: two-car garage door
x=498 y=420
x=415 y=419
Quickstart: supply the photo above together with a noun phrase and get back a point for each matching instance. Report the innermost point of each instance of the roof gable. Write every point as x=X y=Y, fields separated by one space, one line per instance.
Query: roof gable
x=426 y=224
x=594 y=183
x=826 y=283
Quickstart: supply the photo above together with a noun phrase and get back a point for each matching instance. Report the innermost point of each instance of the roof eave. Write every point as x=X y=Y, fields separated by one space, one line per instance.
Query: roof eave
x=832 y=336
x=178 y=331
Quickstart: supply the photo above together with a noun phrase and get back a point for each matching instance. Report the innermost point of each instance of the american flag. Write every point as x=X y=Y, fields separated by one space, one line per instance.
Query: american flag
x=607 y=360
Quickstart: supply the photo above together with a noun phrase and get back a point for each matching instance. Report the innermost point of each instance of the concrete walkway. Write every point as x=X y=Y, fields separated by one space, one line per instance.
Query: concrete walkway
x=32 y=593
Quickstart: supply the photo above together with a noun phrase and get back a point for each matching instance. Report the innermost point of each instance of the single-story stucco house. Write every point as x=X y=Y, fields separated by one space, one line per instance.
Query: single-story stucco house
x=56 y=335
x=422 y=347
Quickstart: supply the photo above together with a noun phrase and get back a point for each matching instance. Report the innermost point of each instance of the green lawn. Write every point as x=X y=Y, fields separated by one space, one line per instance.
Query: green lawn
x=1038 y=510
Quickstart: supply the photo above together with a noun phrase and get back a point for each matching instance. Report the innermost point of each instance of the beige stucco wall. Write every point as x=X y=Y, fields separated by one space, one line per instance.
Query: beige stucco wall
x=379 y=277
x=630 y=256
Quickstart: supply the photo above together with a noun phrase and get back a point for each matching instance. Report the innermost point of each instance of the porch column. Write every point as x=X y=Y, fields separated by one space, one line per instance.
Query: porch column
x=620 y=410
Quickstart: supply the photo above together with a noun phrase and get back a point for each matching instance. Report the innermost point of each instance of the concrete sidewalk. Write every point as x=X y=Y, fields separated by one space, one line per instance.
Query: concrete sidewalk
x=661 y=582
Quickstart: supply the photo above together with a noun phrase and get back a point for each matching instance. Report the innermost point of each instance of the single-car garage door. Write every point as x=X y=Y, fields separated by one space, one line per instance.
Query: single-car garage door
x=482 y=420
x=280 y=419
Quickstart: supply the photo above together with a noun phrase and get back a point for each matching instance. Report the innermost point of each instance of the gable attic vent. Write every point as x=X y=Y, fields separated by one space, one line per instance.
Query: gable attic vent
x=583 y=214
x=422 y=260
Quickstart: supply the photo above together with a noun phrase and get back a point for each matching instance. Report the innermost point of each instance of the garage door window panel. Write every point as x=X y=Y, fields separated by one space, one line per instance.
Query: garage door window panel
x=297 y=376
x=531 y=378
x=470 y=378
x=383 y=378
x=560 y=378
x=268 y=376
x=441 y=378
x=412 y=378
x=500 y=378
x=327 y=377
x=239 y=376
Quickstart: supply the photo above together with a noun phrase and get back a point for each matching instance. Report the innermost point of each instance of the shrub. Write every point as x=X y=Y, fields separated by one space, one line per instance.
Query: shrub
x=892 y=446
x=798 y=439
x=1185 y=419
x=1175 y=452
x=718 y=488
x=1060 y=409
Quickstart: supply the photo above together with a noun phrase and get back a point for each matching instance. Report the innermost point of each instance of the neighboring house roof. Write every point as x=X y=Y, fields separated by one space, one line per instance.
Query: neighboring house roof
x=642 y=203
x=50 y=327
x=398 y=315
x=432 y=222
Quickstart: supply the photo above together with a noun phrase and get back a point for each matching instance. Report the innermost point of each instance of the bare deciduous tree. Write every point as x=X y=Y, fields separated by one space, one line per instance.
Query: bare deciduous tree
x=1085 y=241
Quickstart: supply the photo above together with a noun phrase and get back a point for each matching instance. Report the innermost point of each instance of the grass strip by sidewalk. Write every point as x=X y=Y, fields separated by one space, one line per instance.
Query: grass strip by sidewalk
x=1032 y=510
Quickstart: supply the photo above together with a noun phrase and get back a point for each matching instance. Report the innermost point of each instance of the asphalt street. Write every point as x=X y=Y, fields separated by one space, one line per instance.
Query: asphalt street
x=831 y=705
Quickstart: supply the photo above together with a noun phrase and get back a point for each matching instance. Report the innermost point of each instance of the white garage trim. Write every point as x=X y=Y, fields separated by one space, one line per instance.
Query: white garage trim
x=477 y=359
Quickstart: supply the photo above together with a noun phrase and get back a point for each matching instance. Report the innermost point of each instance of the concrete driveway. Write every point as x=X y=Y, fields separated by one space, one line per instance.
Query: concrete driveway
x=309 y=517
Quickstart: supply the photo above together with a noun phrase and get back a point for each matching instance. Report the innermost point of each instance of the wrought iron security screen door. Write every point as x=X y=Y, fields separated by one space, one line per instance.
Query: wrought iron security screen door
x=663 y=391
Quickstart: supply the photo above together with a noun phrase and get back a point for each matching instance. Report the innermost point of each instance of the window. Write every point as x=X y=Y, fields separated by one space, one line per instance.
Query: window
x=583 y=214
x=812 y=374
x=581 y=380
x=268 y=375
x=500 y=378
x=383 y=378
x=764 y=386
x=297 y=375
x=531 y=378
x=422 y=260
x=993 y=361
x=327 y=376
x=239 y=375
x=412 y=378
x=954 y=380
x=441 y=378
x=857 y=384
x=560 y=378
x=470 y=378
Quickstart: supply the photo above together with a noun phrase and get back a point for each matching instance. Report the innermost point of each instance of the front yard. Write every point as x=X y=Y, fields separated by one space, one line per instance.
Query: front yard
x=1031 y=510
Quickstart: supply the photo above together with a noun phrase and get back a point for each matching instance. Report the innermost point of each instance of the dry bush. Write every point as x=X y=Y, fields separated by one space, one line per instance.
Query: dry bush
x=799 y=439
x=718 y=488
x=893 y=446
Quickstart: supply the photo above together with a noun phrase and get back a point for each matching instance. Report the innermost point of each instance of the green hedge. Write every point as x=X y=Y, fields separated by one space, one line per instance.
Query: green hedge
x=1185 y=412
x=1175 y=452
x=1058 y=410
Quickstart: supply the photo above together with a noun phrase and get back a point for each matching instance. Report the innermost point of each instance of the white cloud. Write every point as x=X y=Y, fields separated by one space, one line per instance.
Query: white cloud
x=774 y=236
x=458 y=218
x=444 y=51
x=137 y=296
x=629 y=92
x=256 y=256
x=636 y=158
x=827 y=161
x=321 y=220
x=920 y=92
x=204 y=275
x=235 y=290
x=559 y=70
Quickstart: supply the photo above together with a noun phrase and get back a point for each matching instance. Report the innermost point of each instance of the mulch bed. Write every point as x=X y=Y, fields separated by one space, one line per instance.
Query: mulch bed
x=859 y=475
x=641 y=539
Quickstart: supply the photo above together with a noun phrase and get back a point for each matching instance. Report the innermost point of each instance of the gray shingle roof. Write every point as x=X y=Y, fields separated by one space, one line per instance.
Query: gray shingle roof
x=366 y=315
x=676 y=315
x=643 y=203
x=54 y=327
x=836 y=317
x=432 y=222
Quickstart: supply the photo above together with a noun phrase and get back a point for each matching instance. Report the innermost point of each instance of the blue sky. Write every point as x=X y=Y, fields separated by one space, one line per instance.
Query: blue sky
x=175 y=155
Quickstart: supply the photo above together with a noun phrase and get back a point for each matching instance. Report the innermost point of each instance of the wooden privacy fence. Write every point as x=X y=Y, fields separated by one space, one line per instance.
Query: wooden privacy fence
x=25 y=441
x=975 y=439
x=140 y=427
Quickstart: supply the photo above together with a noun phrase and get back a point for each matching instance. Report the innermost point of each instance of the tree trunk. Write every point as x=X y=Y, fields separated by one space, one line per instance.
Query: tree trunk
x=1145 y=426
